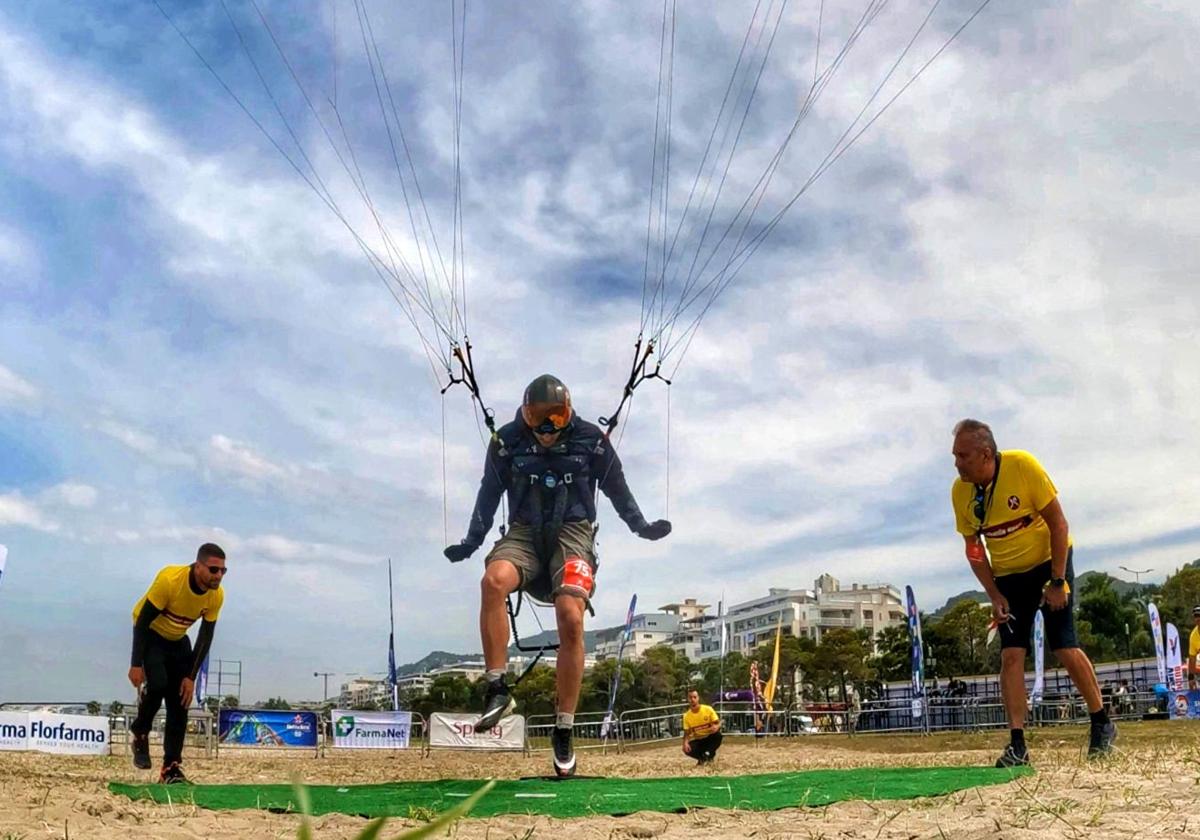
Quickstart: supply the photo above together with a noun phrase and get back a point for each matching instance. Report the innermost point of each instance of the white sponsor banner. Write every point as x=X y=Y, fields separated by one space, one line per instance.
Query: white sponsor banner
x=14 y=730
x=1039 y=657
x=1156 y=631
x=1174 y=660
x=371 y=730
x=68 y=734
x=458 y=732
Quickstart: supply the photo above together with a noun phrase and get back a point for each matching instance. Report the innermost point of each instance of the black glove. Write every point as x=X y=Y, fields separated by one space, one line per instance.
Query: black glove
x=655 y=530
x=459 y=551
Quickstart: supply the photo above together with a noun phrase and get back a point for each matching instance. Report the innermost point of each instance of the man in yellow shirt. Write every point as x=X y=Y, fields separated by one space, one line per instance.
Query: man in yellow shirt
x=163 y=664
x=701 y=730
x=1019 y=547
x=1194 y=648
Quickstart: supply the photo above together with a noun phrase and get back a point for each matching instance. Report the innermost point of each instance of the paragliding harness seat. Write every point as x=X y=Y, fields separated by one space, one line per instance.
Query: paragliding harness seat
x=555 y=488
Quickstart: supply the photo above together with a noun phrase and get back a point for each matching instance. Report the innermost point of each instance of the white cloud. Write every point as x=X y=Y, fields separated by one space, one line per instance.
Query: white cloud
x=72 y=494
x=15 y=390
x=18 y=259
x=1014 y=241
x=230 y=456
x=144 y=443
x=277 y=547
x=17 y=511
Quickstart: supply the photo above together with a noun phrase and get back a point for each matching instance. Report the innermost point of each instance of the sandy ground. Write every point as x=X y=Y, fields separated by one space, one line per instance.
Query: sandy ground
x=1150 y=789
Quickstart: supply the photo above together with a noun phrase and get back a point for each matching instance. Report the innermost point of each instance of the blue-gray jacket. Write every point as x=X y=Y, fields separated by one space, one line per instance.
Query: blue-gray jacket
x=550 y=486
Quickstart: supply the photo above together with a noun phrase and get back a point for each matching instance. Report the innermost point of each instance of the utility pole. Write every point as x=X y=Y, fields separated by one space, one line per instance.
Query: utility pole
x=326 y=675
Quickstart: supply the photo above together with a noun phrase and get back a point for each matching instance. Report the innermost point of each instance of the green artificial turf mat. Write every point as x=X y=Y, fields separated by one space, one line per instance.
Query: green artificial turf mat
x=590 y=796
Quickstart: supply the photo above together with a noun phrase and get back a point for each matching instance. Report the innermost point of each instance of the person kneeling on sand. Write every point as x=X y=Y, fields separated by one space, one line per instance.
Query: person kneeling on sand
x=701 y=730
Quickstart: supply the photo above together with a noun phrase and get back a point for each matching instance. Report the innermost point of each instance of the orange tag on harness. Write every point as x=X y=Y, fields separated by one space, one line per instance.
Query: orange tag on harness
x=577 y=574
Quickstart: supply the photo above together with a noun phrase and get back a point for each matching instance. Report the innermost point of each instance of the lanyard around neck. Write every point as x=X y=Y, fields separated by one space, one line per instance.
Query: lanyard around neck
x=986 y=493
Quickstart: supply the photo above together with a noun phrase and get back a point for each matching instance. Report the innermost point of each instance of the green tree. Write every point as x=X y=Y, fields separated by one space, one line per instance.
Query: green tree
x=116 y=707
x=1180 y=592
x=840 y=660
x=732 y=672
x=277 y=703
x=230 y=701
x=93 y=707
x=597 y=684
x=965 y=625
x=212 y=704
x=894 y=658
x=1106 y=616
x=537 y=693
x=665 y=676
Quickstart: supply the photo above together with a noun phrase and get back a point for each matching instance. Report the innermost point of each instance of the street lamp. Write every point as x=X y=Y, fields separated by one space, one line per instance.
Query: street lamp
x=326 y=675
x=1137 y=573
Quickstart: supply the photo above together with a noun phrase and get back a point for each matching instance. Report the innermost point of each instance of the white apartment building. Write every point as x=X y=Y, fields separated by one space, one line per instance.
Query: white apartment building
x=688 y=638
x=413 y=682
x=805 y=612
x=647 y=630
x=364 y=692
x=472 y=670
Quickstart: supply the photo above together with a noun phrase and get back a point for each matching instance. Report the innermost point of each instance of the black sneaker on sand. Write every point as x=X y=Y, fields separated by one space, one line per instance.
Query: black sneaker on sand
x=1012 y=757
x=497 y=704
x=564 y=753
x=172 y=774
x=1100 y=740
x=141 y=751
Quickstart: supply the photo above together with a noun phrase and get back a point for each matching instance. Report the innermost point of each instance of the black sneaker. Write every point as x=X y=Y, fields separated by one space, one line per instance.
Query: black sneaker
x=1100 y=741
x=497 y=704
x=141 y=751
x=172 y=774
x=564 y=754
x=1012 y=757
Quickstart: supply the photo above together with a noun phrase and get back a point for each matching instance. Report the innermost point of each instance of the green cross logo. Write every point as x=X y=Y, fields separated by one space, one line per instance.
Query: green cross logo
x=344 y=726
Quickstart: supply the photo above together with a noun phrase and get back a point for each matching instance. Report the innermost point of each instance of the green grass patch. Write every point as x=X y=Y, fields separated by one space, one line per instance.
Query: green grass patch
x=585 y=797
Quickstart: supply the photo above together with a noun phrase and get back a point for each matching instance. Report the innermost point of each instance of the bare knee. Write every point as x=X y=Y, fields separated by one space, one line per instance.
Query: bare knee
x=1012 y=658
x=568 y=610
x=499 y=580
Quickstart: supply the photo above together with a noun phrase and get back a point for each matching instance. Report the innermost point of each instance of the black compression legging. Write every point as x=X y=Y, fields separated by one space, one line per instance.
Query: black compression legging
x=166 y=664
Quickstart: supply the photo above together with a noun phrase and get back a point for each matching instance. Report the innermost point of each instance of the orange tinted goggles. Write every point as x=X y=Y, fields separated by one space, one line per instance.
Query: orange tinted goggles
x=547 y=417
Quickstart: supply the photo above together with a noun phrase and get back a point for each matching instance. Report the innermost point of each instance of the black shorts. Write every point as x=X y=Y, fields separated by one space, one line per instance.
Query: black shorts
x=1024 y=593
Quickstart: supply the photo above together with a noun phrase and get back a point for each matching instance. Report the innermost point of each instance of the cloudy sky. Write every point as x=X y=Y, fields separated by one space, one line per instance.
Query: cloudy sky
x=193 y=346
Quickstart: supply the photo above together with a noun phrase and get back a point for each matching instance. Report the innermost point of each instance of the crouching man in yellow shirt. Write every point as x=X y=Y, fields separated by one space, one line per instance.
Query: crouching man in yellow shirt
x=701 y=730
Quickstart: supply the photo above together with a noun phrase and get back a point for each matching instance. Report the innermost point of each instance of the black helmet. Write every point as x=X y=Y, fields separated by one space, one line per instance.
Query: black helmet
x=546 y=407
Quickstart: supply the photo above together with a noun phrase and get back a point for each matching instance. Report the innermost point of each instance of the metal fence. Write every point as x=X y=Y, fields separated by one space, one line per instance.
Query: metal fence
x=586 y=734
x=658 y=724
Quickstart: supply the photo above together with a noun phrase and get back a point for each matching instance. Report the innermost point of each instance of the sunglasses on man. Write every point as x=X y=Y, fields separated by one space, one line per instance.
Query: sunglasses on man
x=216 y=570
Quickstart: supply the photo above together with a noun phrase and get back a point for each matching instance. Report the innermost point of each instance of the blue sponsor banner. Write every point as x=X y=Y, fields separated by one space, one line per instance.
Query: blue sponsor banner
x=1184 y=704
x=267 y=728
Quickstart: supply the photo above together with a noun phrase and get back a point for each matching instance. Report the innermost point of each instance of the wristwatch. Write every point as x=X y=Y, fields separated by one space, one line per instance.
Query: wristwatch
x=1058 y=583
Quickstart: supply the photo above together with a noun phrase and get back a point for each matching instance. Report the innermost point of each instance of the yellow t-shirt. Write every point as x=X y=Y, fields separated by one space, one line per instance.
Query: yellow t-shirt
x=181 y=607
x=1194 y=642
x=1017 y=537
x=700 y=723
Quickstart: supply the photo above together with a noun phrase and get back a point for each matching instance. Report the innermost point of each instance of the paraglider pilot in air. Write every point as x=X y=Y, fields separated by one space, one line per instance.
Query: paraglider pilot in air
x=550 y=463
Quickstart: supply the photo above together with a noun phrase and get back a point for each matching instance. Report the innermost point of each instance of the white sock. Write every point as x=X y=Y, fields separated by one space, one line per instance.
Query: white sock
x=564 y=720
x=495 y=674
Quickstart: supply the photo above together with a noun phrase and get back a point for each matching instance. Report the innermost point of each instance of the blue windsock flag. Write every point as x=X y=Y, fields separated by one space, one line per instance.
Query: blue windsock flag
x=606 y=727
x=392 y=686
x=918 y=654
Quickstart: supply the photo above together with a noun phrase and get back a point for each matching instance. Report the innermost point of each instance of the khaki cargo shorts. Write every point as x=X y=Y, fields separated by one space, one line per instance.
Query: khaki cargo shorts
x=572 y=568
